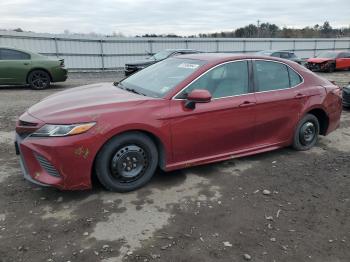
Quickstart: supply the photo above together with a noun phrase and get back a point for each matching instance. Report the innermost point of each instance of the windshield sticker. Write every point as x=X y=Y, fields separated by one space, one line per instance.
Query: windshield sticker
x=165 y=89
x=188 y=66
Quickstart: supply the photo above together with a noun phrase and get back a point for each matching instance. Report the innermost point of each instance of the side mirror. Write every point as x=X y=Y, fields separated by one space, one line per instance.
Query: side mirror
x=197 y=96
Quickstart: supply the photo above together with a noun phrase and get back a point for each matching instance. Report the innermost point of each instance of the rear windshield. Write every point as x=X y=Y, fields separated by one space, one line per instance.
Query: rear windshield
x=158 y=79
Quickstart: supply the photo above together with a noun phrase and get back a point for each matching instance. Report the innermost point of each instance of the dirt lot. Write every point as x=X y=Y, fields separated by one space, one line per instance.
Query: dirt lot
x=216 y=212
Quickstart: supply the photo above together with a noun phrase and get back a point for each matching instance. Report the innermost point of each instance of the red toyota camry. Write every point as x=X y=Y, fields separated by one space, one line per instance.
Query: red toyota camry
x=184 y=111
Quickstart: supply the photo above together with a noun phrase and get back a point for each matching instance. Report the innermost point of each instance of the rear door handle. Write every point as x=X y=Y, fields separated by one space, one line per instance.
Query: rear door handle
x=299 y=95
x=26 y=63
x=247 y=103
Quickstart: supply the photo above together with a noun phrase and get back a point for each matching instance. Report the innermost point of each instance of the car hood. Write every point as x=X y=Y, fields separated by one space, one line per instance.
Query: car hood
x=296 y=59
x=319 y=60
x=83 y=104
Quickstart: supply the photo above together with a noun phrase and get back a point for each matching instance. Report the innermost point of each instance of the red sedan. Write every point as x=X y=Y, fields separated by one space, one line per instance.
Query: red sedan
x=329 y=61
x=184 y=111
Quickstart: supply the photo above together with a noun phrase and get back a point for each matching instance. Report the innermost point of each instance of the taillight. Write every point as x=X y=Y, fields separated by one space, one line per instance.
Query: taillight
x=337 y=90
x=62 y=63
x=334 y=89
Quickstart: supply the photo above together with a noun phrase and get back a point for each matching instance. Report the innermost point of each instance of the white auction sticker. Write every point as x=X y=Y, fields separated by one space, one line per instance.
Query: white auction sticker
x=188 y=66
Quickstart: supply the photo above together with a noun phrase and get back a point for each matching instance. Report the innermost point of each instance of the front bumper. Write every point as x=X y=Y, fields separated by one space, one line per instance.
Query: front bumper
x=313 y=66
x=62 y=162
x=317 y=66
x=23 y=165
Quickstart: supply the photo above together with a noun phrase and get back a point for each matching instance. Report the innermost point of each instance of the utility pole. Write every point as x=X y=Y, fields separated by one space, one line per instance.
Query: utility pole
x=258 y=28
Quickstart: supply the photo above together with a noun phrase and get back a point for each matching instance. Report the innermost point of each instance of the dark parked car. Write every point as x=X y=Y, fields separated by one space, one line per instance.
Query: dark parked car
x=20 y=67
x=281 y=54
x=346 y=96
x=184 y=111
x=131 y=68
x=329 y=61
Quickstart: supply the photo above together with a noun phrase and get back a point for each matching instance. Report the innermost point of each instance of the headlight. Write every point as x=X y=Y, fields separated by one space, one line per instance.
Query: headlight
x=63 y=130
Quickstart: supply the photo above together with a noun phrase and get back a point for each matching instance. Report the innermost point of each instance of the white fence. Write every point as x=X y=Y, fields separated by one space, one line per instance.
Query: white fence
x=89 y=53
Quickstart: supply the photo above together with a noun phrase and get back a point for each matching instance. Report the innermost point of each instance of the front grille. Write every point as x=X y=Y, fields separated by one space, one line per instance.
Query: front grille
x=47 y=166
x=23 y=135
x=25 y=123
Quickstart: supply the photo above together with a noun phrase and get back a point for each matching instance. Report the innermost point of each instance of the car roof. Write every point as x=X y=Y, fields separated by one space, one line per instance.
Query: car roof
x=274 y=51
x=16 y=49
x=187 y=50
x=215 y=58
x=21 y=50
x=336 y=51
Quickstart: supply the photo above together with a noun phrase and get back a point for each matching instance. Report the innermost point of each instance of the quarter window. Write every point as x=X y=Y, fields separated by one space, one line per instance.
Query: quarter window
x=8 y=54
x=271 y=75
x=295 y=79
x=229 y=79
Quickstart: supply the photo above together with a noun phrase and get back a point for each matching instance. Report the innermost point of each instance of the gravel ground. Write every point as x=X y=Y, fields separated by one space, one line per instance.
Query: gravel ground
x=278 y=206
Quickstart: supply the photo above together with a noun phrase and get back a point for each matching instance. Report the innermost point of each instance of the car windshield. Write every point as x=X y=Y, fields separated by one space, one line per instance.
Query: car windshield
x=161 y=55
x=327 y=55
x=158 y=79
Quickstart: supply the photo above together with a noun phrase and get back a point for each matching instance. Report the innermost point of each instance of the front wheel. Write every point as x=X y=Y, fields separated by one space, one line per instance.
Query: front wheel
x=331 y=68
x=306 y=133
x=39 y=79
x=126 y=162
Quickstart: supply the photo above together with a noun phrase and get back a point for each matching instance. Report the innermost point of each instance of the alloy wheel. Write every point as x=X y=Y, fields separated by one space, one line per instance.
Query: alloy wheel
x=39 y=80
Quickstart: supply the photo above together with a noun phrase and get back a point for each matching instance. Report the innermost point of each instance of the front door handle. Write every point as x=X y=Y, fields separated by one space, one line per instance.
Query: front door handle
x=26 y=63
x=247 y=103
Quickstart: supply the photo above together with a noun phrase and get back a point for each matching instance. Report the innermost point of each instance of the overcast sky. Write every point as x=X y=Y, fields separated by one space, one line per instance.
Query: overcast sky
x=184 y=17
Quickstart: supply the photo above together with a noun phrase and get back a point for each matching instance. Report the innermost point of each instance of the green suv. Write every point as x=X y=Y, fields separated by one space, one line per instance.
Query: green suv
x=19 y=67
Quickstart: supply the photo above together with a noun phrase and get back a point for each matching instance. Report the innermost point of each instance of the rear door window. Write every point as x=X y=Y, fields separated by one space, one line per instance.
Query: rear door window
x=271 y=75
x=8 y=54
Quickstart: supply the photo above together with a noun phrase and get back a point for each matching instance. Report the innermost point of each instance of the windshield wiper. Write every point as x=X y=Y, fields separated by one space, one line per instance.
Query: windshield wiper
x=118 y=84
x=121 y=86
x=134 y=91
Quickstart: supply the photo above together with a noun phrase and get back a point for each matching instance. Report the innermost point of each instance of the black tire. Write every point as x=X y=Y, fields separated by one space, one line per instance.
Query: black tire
x=306 y=133
x=39 y=79
x=331 y=68
x=126 y=162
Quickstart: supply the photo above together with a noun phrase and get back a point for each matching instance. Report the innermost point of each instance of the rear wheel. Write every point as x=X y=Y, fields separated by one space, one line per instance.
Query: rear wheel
x=126 y=162
x=306 y=133
x=39 y=79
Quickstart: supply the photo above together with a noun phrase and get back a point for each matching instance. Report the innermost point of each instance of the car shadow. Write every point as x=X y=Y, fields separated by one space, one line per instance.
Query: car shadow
x=26 y=87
